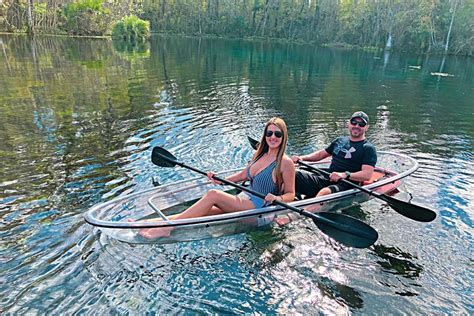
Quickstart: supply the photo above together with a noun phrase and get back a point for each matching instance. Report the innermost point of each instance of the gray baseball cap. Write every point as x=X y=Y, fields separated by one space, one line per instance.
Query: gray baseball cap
x=361 y=115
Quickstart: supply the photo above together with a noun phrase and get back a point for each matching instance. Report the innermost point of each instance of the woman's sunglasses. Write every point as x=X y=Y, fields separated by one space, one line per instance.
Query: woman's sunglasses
x=278 y=134
x=360 y=123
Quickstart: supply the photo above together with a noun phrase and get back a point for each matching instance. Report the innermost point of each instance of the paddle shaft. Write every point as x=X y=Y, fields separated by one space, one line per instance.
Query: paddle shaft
x=255 y=144
x=412 y=211
x=345 y=229
x=313 y=216
x=376 y=194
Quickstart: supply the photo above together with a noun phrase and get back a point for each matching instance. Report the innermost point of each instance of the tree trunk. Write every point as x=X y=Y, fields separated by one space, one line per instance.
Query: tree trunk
x=199 y=19
x=314 y=21
x=450 y=26
x=265 y=15
x=254 y=12
x=162 y=13
x=29 y=11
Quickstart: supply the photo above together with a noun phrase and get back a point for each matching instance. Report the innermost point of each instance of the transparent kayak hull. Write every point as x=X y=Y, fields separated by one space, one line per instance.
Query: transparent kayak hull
x=122 y=218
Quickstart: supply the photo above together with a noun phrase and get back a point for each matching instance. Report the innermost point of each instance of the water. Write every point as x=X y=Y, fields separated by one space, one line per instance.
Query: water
x=79 y=117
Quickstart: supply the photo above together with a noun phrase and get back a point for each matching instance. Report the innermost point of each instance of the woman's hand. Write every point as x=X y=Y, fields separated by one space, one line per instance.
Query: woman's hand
x=269 y=198
x=210 y=176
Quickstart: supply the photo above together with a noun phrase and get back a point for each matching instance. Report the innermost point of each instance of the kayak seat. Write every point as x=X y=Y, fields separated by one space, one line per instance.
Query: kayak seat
x=376 y=176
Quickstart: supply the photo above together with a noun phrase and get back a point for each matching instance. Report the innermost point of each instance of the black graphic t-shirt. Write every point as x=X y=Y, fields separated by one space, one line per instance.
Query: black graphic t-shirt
x=350 y=156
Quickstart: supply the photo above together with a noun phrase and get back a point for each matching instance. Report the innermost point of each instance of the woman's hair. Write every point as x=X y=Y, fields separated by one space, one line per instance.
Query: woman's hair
x=263 y=147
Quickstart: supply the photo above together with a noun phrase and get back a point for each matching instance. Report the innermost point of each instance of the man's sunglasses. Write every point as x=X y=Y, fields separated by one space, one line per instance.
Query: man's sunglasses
x=278 y=134
x=360 y=123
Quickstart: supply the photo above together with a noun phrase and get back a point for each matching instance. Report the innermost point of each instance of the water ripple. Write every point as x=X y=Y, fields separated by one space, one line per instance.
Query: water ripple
x=77 y=129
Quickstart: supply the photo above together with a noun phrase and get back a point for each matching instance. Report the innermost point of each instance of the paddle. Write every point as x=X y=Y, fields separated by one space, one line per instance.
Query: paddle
x=412 y=211
x=345 y=229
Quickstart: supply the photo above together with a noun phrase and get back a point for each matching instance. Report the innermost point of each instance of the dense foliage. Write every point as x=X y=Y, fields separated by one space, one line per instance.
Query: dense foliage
x=85 y=17
x=416 y=25
x=131 y=29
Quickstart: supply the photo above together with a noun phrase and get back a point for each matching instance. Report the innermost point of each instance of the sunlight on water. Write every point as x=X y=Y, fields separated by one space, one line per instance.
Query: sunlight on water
x=77 y=129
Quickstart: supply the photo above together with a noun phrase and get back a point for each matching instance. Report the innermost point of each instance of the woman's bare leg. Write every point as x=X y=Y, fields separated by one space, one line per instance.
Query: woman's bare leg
x=213 y=203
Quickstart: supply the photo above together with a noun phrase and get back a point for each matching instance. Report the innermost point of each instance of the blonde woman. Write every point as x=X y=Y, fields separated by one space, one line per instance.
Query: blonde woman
x=270 y=172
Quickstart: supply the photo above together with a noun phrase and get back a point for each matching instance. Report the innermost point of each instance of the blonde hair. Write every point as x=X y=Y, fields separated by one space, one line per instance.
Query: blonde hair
x=263 y=147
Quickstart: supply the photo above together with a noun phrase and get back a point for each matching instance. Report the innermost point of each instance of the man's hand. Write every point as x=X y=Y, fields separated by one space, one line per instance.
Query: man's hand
x=295 y=159
x=336 y=176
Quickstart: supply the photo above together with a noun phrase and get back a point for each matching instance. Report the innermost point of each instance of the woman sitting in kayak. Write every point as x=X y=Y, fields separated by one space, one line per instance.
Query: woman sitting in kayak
x=270 y=172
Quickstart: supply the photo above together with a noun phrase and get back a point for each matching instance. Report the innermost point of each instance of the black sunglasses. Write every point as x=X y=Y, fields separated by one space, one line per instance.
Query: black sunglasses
x=360 y=123
x=278 y=134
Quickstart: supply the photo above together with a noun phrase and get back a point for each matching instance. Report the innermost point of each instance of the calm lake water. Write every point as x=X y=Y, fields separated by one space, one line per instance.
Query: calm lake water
x=78 y=119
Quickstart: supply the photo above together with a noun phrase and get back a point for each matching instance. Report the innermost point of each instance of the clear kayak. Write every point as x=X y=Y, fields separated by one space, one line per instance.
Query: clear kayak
x=122 y=218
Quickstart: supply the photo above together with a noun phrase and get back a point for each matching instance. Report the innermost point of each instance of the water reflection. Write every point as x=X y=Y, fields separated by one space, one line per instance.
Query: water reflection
x=132 y=49
x=398 y=262
x=197 y=272
x=78 y=119
x=337 y=291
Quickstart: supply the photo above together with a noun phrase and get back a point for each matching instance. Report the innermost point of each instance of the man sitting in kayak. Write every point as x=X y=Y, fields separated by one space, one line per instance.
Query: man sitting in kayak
x=353 y=158
x=270 y=172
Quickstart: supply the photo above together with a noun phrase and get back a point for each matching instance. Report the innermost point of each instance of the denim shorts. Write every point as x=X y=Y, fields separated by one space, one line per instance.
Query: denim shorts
x=256 y=201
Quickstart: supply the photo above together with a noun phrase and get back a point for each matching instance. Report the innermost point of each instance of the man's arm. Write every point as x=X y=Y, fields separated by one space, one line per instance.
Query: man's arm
x=315 y=156
x=363 y=175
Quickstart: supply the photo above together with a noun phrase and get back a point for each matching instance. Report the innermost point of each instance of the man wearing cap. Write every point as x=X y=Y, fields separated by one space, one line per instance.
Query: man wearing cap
x=353 y=159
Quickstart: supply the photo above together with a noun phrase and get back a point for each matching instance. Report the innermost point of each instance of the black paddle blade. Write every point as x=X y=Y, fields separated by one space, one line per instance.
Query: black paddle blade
x=412 y=211
x=254 y=143
x=163 y=158
x=348 y=230
x=415 y=212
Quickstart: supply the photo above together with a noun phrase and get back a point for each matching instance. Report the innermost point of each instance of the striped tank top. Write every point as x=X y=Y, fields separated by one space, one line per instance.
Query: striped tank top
x=262 y=182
